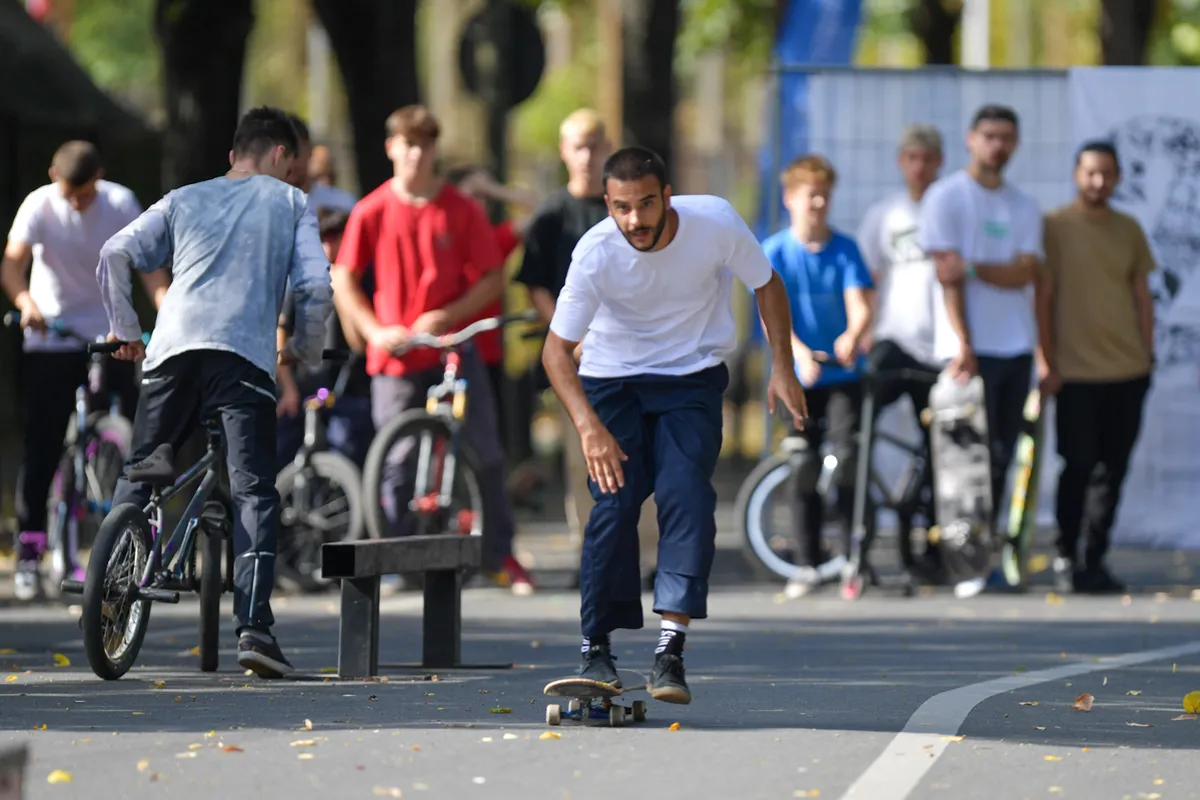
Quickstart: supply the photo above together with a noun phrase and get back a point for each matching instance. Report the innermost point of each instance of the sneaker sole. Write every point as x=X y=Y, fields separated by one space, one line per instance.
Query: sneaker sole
x=263 y=666
x=672 y=694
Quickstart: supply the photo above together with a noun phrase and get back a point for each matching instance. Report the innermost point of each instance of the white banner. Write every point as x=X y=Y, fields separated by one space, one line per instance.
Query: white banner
x=1149 y=113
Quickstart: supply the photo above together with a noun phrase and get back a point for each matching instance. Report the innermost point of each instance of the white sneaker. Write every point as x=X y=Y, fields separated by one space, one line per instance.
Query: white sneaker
x=25 y=581
x=970 y=588
x=800 y=584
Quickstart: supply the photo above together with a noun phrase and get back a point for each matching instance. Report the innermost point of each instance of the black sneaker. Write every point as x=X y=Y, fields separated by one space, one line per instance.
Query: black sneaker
x=1097 y=580
x=262 y=656
x=598 y=666
x=667 y=682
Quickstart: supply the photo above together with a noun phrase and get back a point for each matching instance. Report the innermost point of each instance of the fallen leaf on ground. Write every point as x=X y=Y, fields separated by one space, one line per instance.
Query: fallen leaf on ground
x=329 y=670
x=1191 y=702
x=387 y=791
x=1052 y=758
x=143 y=765
x=808 y=793
x=6 y=651
x=308 y=724
x=59 y=776
x=498 y=710
x=61 y=661
x=1083 y=702
x=188 y=754
x=415 y=747
x=550 y=735
x=10 y=679
x=486 y=739
x=195 y=650
x=138 y=713
x=1134 y=692
x=1028 y=703
x=511 y=736
x=1039 y=727
x=195 y=746
x=1140 y=724
x=160 y=684
x=232 y=748
x=306 y=756
x=674 y=726
x=1053 y=599
x=952 y=738
x=1185 y=716
x=304 y=743
x=1158 y=781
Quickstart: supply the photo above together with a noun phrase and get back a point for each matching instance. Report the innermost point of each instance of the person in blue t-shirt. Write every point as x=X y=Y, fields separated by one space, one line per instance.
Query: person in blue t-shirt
x=829 y=288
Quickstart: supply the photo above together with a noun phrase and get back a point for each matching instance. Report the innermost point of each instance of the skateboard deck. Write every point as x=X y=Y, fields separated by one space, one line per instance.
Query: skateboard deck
x=592 y=700
x=957 y=420
x=1022 y=512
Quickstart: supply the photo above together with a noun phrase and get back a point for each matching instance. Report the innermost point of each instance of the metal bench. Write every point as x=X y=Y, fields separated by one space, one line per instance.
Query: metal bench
x=442 y=558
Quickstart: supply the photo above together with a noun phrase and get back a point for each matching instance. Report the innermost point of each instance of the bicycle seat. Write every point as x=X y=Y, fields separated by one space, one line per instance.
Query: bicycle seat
x=156 y=469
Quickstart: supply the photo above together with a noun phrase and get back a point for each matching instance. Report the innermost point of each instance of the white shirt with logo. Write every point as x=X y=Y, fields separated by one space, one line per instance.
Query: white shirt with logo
x=985 y=226
x=904 y=275
x=66 y=249
x=666 y=312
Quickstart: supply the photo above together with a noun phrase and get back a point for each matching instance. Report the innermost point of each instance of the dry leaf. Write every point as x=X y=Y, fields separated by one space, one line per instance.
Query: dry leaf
x=1158 y=781
x=195 y=746
x=6 y=651
x=1083 y=702
x=952 y=738
x=387 y=791
x=511 y=736
x=138 y=713
x=308 y=724
x=61 y=661
x=188 y=754
x=1185 y=716
x=159 y=684
x=809 y=793
x=232 y=748
x=304 y=743
x=1134 y=692
x=143 y=765
x=415 y=747
x=1105 y=681
x=1053 y=599
x=10 y=679
x=1039 y=727
x=306 y=756
x=1140 y=724
x=195 y=650
x=1028 y=703
x=1191 y=702
x=550 y=735
x=329 y=670
x=674 y=726
x=1052 y=758
x=499 y=710
x=59 y=776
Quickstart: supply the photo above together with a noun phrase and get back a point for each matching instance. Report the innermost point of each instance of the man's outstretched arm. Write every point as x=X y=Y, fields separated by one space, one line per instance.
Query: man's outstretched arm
x=143 y=245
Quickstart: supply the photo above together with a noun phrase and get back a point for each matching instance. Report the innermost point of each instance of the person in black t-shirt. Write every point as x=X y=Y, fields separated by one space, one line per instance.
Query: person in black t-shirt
x=348 y=425
x=552 y=233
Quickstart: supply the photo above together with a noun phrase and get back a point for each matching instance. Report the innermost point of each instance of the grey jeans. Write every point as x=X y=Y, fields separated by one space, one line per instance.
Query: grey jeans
x=392 y=396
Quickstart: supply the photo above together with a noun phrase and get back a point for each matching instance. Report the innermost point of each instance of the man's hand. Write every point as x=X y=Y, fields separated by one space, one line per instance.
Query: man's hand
x=130 y=351
x=844 y=349
x=810 y=368
x=604 y=457
x=390 y=337
x=289 y=399
x=950 y=269
x=786 y=388
x=434 y=323
x=1049 y=381
x=31 y=315
x=963 y=366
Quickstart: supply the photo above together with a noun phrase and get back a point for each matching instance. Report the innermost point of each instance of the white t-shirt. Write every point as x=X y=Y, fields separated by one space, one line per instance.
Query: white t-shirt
x=985 y=226
x=66 y=250
x=665 y=312
x=904 y=275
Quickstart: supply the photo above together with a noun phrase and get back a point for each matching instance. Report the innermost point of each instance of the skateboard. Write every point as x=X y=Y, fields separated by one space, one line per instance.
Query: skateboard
x=962 y=488
x=592 y=700
x=1022 y=513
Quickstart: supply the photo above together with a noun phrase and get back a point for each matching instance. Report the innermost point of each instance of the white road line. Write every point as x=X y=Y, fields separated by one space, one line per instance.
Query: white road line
x=914 y=751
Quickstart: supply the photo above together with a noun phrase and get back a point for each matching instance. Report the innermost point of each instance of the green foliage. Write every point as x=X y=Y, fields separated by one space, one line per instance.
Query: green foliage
x=1175 y=40
x=743 y=28
x=560 y=92
x=114 y=41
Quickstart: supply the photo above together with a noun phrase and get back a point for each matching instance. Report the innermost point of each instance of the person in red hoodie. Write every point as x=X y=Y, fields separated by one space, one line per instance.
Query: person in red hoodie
x=437 y=267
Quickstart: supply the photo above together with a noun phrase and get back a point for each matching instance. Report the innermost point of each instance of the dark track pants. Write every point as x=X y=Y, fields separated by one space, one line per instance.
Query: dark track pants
x=1005 y=386
x=670 y=428
x=204 y=384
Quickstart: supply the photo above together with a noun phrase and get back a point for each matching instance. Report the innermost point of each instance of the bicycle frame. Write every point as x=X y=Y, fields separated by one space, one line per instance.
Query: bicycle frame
x=448 y=401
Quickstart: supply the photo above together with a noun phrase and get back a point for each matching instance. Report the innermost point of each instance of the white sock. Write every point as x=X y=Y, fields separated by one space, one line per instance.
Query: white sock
x=669 y=633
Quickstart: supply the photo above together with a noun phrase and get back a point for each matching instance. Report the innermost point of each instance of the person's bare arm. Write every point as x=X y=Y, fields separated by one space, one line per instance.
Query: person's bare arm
x=1020 y=272
x=156 y=284
x=485 y=291
x=351 y=303
x=776 y=316
x=859 y=312
x=12 y=273
x=543 y=302
x=949 y=266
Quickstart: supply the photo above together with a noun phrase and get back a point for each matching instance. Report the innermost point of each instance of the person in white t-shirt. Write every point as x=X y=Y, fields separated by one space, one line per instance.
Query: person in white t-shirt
x=650 y=287
x=61 y=227
x=985 y=236
x=906 y=282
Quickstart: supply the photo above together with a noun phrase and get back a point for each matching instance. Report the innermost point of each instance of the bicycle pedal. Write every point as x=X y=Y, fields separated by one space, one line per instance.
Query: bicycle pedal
x=70 y=586
x=158 y=595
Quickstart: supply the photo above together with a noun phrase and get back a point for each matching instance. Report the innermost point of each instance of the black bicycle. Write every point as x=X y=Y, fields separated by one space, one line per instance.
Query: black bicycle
x=764 y=505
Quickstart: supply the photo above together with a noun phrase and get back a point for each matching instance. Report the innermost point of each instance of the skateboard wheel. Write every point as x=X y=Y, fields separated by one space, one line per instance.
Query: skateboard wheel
x=639 y=710
x=574 y=706
x=553 y=714
x=616 y=716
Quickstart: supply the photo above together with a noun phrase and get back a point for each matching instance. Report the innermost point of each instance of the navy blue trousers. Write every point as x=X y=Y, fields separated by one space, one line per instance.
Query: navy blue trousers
x=670 y=427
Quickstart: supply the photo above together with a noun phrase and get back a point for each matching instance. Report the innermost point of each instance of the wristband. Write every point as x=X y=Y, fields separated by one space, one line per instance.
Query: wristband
x=969 y=269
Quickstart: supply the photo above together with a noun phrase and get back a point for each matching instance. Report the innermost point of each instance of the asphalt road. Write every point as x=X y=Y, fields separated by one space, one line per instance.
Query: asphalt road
x=791 y=699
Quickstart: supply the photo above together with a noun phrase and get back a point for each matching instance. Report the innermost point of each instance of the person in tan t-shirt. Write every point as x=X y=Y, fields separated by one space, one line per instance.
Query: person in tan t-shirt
x=1096 y=353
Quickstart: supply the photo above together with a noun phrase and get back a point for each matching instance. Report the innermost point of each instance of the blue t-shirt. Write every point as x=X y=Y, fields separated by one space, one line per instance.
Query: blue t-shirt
x=816 y=285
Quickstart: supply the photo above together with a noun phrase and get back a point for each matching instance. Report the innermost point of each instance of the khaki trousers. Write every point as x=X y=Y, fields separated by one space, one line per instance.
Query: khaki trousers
x=579 y=497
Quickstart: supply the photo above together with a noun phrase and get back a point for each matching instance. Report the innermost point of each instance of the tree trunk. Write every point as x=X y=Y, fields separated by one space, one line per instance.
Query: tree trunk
x=648 y=33
x=203 y=48
x=1125 y=31
x=375 y=42
x=935 y=22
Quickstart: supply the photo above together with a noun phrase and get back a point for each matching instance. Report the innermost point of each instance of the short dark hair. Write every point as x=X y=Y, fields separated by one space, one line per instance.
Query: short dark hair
x=994 y=112
x=263 y=128
x=415 y=123
x=77 y=162
x=331 y=221
x=1099 y=146
x=301 y=128
x=634 y=163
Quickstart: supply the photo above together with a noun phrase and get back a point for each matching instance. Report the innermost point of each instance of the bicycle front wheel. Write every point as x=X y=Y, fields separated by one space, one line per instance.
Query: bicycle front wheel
x=763 y=514
x=464 y=513
x=114 y=619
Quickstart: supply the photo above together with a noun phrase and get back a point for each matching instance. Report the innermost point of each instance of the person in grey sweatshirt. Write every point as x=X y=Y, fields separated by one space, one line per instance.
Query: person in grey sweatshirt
x=233 y=243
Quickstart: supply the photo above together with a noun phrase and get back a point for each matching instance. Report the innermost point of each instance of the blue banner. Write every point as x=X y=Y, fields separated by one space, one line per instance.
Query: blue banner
x=813 y=32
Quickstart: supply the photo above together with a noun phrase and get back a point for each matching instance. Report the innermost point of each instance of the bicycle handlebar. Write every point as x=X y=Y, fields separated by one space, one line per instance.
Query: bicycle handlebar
x=876 y=375
x=13 y=320
x=451 y=341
